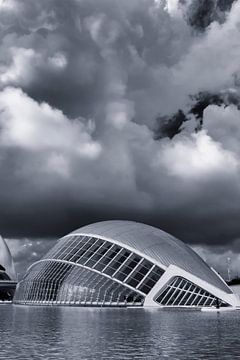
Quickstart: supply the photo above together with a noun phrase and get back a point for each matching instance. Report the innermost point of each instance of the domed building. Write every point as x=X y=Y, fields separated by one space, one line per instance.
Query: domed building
x=7 y=273
x=123 y=263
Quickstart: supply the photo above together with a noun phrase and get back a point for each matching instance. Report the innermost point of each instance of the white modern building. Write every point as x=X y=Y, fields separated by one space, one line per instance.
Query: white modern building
x=123 y=263
x=7 y=273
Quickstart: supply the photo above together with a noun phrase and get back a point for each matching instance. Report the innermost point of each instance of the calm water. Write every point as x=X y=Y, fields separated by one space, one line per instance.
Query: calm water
x=81 y=333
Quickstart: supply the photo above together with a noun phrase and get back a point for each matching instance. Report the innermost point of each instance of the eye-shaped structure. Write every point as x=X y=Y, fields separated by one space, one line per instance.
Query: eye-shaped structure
x=7 y=273
x=122 y=263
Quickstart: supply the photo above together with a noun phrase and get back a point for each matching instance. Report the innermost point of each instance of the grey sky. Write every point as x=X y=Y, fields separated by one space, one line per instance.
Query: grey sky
x=82 y=84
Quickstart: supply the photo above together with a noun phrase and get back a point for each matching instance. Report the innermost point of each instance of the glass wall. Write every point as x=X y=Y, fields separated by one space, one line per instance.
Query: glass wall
x=61 y=283
x=181 y=292
x=110 y=259
x=88 y=270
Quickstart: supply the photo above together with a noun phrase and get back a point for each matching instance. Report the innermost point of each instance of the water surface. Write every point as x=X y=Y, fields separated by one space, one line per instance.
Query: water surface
x=28 y=332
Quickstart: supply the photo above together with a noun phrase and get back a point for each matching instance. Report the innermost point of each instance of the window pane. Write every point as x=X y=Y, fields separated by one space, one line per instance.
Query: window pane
x=189 y=298
x=196 y=300
x=151 y=280
x=107 y=258
x=144 y=267
x=100 y=252
x=117 y=262
x=145 y=289
x=162 y=295
x=168 y=296
x=90 y=252
x=174 y=294
x=128 y=267
x=181 y=298
x=120 y=276
x=132 y=282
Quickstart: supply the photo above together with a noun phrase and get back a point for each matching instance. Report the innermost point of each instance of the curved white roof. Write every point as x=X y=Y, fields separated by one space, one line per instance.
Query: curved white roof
x=6 y=259
x=157 y=244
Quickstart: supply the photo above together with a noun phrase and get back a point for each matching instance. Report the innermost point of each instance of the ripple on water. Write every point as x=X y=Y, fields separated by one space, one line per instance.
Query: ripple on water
x=80 y=333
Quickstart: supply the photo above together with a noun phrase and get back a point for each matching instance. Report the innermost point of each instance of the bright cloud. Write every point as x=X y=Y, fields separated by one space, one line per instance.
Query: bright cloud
x=80 y=88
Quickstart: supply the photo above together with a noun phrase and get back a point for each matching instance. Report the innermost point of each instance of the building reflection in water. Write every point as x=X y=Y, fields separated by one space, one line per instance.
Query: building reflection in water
x=91 y=333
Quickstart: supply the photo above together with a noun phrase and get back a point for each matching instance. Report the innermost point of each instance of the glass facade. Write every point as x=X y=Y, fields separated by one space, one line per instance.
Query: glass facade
x=181 y=292
x=62 y=283
x=119 y=263
x=84 y=270
x=163 y=248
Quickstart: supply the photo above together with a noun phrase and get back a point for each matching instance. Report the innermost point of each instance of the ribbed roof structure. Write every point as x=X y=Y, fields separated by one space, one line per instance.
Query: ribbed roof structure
x=157 y=244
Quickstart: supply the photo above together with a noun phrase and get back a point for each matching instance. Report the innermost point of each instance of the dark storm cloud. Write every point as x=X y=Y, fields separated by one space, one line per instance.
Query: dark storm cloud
x=81 y=84
x=201 y=13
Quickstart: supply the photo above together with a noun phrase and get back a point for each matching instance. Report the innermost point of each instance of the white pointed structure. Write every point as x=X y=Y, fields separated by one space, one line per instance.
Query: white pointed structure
x=7 y=273
x=123 y=263
x=6 y=260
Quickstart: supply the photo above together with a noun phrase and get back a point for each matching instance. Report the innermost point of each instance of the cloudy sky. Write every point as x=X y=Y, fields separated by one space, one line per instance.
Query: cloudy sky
x=120 y=109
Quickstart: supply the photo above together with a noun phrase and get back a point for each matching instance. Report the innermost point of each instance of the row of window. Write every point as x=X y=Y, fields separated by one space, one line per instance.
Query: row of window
x=181 y=292
x=109 y=259
x=62 y=283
